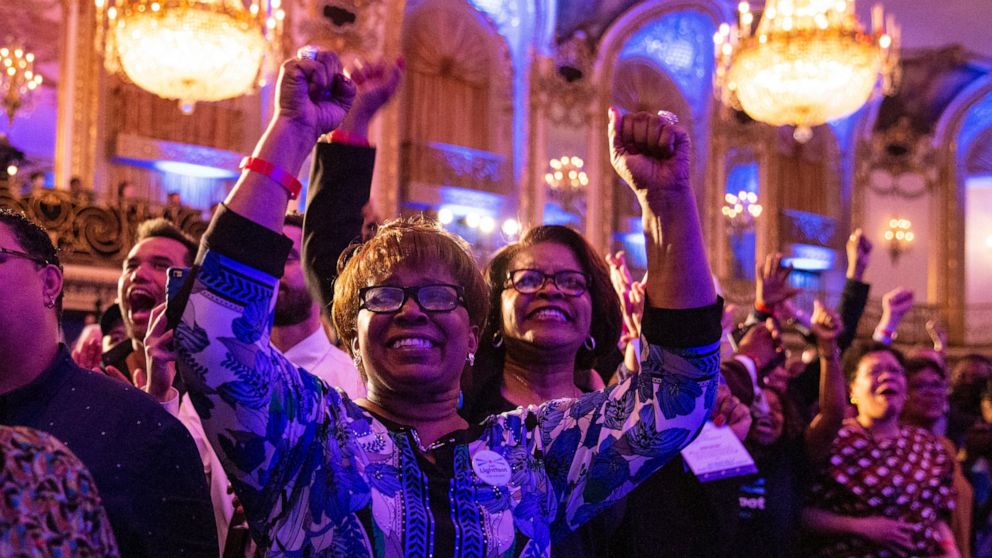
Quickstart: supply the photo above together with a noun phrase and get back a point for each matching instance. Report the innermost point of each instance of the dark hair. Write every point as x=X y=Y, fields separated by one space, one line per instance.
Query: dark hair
x=293 y=219
x=161 y=228
x=417 y=242
x=36 y=174
x=35 y=241
x=915 y=365
x=120 y=187
x=606 y=319
x=853 y=356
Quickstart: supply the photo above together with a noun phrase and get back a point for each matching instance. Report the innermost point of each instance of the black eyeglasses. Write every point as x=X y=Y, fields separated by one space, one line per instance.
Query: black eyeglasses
x=430 y=298
x=5 y=253
x=529 y=281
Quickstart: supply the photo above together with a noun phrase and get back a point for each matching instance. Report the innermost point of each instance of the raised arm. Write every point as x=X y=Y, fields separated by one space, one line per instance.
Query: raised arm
x=341 y=179
x=651 y=153
x=602 y=445
x=833 y=393
x=312 y=98
x=855 y=295
x=259 y=413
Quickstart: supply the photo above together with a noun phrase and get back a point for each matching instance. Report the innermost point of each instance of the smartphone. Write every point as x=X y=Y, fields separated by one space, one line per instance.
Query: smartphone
x=117 y=355
x=174 y=280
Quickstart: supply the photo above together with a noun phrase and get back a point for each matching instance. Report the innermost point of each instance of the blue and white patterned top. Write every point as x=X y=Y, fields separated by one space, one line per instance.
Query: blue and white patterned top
x=319 y=475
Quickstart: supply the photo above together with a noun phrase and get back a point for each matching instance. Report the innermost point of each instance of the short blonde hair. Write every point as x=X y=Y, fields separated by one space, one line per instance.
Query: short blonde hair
x=417 y=242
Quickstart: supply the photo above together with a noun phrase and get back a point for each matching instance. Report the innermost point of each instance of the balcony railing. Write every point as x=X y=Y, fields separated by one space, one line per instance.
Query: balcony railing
x=90 y=233
x=441 y=164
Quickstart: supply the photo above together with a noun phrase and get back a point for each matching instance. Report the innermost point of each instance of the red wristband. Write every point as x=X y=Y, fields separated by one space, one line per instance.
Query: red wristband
x=763 y=308
x=349 y=138
x=277 y=174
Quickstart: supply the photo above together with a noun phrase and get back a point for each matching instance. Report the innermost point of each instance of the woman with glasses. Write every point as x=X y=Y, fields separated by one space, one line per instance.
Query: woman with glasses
x=926 y=407
x=401 y=473
x=886 y=487
x=553 y=315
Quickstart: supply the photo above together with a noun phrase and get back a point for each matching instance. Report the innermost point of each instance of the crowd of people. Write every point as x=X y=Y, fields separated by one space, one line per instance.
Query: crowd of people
x=304 y=384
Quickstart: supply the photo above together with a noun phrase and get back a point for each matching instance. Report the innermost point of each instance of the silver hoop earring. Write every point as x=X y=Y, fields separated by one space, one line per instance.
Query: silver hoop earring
x=497 y=340
x=589 y=343
x=470 y=358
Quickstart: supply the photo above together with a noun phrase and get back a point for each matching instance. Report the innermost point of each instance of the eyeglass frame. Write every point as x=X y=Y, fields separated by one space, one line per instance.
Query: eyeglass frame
x=23 y=255
x=544 y=280
x=412 y=292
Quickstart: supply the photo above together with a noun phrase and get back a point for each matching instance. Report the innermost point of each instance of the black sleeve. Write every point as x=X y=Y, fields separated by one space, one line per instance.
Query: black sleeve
x=683 y=328
x=851 y=307
x=246 y=241
x=340 y=185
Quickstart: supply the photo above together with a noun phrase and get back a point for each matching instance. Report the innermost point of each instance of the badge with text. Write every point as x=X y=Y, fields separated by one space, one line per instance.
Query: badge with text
x=491 y=467
x=717 y=454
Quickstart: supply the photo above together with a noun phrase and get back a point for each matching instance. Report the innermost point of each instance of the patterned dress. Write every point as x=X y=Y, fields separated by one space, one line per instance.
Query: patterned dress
x=49 y=504
x=907 y=477
x=319 y=475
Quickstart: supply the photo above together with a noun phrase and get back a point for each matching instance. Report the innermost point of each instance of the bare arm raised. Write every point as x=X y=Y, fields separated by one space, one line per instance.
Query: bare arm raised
x=651 y=153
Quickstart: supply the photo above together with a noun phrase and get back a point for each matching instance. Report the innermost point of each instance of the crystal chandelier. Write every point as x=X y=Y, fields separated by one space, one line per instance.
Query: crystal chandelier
x=805 y=63
x=17 y=80
x=191 y=50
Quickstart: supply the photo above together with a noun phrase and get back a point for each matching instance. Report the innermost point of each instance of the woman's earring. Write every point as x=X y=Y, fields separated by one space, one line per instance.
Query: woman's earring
x=356 y=356
x=589 y=343
x=470 y=358
x=49 y=303
x=497 y=340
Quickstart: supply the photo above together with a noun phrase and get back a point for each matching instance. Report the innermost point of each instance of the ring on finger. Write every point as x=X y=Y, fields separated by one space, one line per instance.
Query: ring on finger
x=308 y=52
x=669 y=118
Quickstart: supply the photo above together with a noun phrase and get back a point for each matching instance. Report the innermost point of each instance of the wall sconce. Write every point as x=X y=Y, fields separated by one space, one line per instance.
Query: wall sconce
x=899 y=237
x=741 y=210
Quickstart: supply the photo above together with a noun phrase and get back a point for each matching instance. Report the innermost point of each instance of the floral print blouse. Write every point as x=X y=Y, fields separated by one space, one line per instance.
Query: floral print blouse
x=50 y=505
x=319 y=475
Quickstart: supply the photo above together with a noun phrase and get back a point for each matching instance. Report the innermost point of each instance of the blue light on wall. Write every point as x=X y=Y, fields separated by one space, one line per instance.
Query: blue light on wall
x=682 y=44
x=807 y=257
x=978 y=119
x=198 y=171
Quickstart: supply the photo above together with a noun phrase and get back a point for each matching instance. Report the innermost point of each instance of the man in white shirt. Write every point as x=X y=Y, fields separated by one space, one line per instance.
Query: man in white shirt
x=298 y=331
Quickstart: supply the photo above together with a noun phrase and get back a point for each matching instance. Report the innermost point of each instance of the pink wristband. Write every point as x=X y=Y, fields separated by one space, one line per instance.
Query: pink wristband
x=277 y=174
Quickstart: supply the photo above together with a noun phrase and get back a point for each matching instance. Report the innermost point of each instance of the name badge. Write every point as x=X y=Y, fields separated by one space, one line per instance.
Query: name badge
x=491 y=467
x=717 y=454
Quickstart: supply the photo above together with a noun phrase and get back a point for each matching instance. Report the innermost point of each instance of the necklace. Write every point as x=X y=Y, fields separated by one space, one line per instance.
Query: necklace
x=437 y=444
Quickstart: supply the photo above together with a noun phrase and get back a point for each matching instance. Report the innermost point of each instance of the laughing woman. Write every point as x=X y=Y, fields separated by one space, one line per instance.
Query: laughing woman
x=400 y=473
x=886 y=488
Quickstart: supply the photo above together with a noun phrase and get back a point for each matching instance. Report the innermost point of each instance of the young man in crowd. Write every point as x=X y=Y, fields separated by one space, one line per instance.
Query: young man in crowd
x=143 y=461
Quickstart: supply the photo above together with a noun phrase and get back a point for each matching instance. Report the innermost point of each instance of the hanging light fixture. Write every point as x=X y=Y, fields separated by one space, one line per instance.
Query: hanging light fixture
x=805 y=63
x=192 y=50
x=17 y=79
x=565 y=173
x=741 y=211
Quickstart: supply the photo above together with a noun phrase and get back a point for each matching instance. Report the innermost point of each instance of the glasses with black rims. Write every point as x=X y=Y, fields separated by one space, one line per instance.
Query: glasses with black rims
x=6 y=254
x=529 y=281
x=430 y=298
